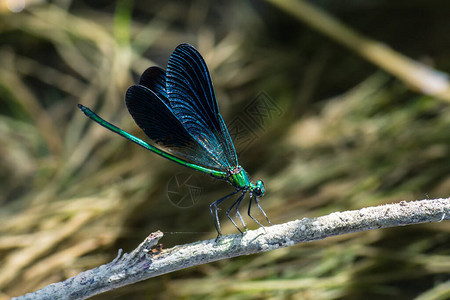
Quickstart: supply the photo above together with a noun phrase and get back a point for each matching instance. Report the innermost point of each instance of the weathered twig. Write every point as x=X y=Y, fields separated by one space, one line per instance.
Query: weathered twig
x=145 y=262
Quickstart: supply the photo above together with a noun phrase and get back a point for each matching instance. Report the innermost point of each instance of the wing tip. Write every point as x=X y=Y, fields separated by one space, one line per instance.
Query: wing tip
x=185 y=45
x=154 y=73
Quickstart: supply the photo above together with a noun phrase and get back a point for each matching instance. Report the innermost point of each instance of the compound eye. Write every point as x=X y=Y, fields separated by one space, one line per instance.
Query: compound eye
x=259 y=189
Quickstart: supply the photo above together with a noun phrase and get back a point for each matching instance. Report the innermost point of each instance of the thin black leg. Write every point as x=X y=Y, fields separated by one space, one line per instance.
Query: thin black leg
x=239 y=214
x=238 y=200
x=260 y=208
x=250 y=207
x=214 y=213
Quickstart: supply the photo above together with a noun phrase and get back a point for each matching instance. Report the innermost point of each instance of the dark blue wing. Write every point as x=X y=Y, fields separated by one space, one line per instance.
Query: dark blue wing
x=148 y=105
x=193 y=102
x=154 y=78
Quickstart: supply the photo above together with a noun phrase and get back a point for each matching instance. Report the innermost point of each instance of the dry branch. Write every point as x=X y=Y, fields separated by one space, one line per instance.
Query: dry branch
x=145 y=262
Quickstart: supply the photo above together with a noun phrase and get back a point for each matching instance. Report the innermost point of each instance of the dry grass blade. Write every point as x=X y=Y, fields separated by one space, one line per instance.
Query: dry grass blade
x=417 y=76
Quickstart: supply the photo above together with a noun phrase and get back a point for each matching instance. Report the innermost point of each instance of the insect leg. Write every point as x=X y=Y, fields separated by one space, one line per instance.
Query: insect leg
x=231 y=207
x=250 y=207
x=260 y=208
x=239 y=214
x=214 y=213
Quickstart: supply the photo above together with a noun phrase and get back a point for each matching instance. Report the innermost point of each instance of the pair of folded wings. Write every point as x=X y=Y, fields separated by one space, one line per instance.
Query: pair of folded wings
x=178 y=111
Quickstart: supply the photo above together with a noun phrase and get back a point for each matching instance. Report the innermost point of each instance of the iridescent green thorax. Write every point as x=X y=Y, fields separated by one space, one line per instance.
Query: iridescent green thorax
x=239 y=178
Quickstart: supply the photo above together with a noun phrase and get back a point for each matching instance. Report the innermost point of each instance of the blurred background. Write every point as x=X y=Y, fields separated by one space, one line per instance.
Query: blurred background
x=312 y=113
